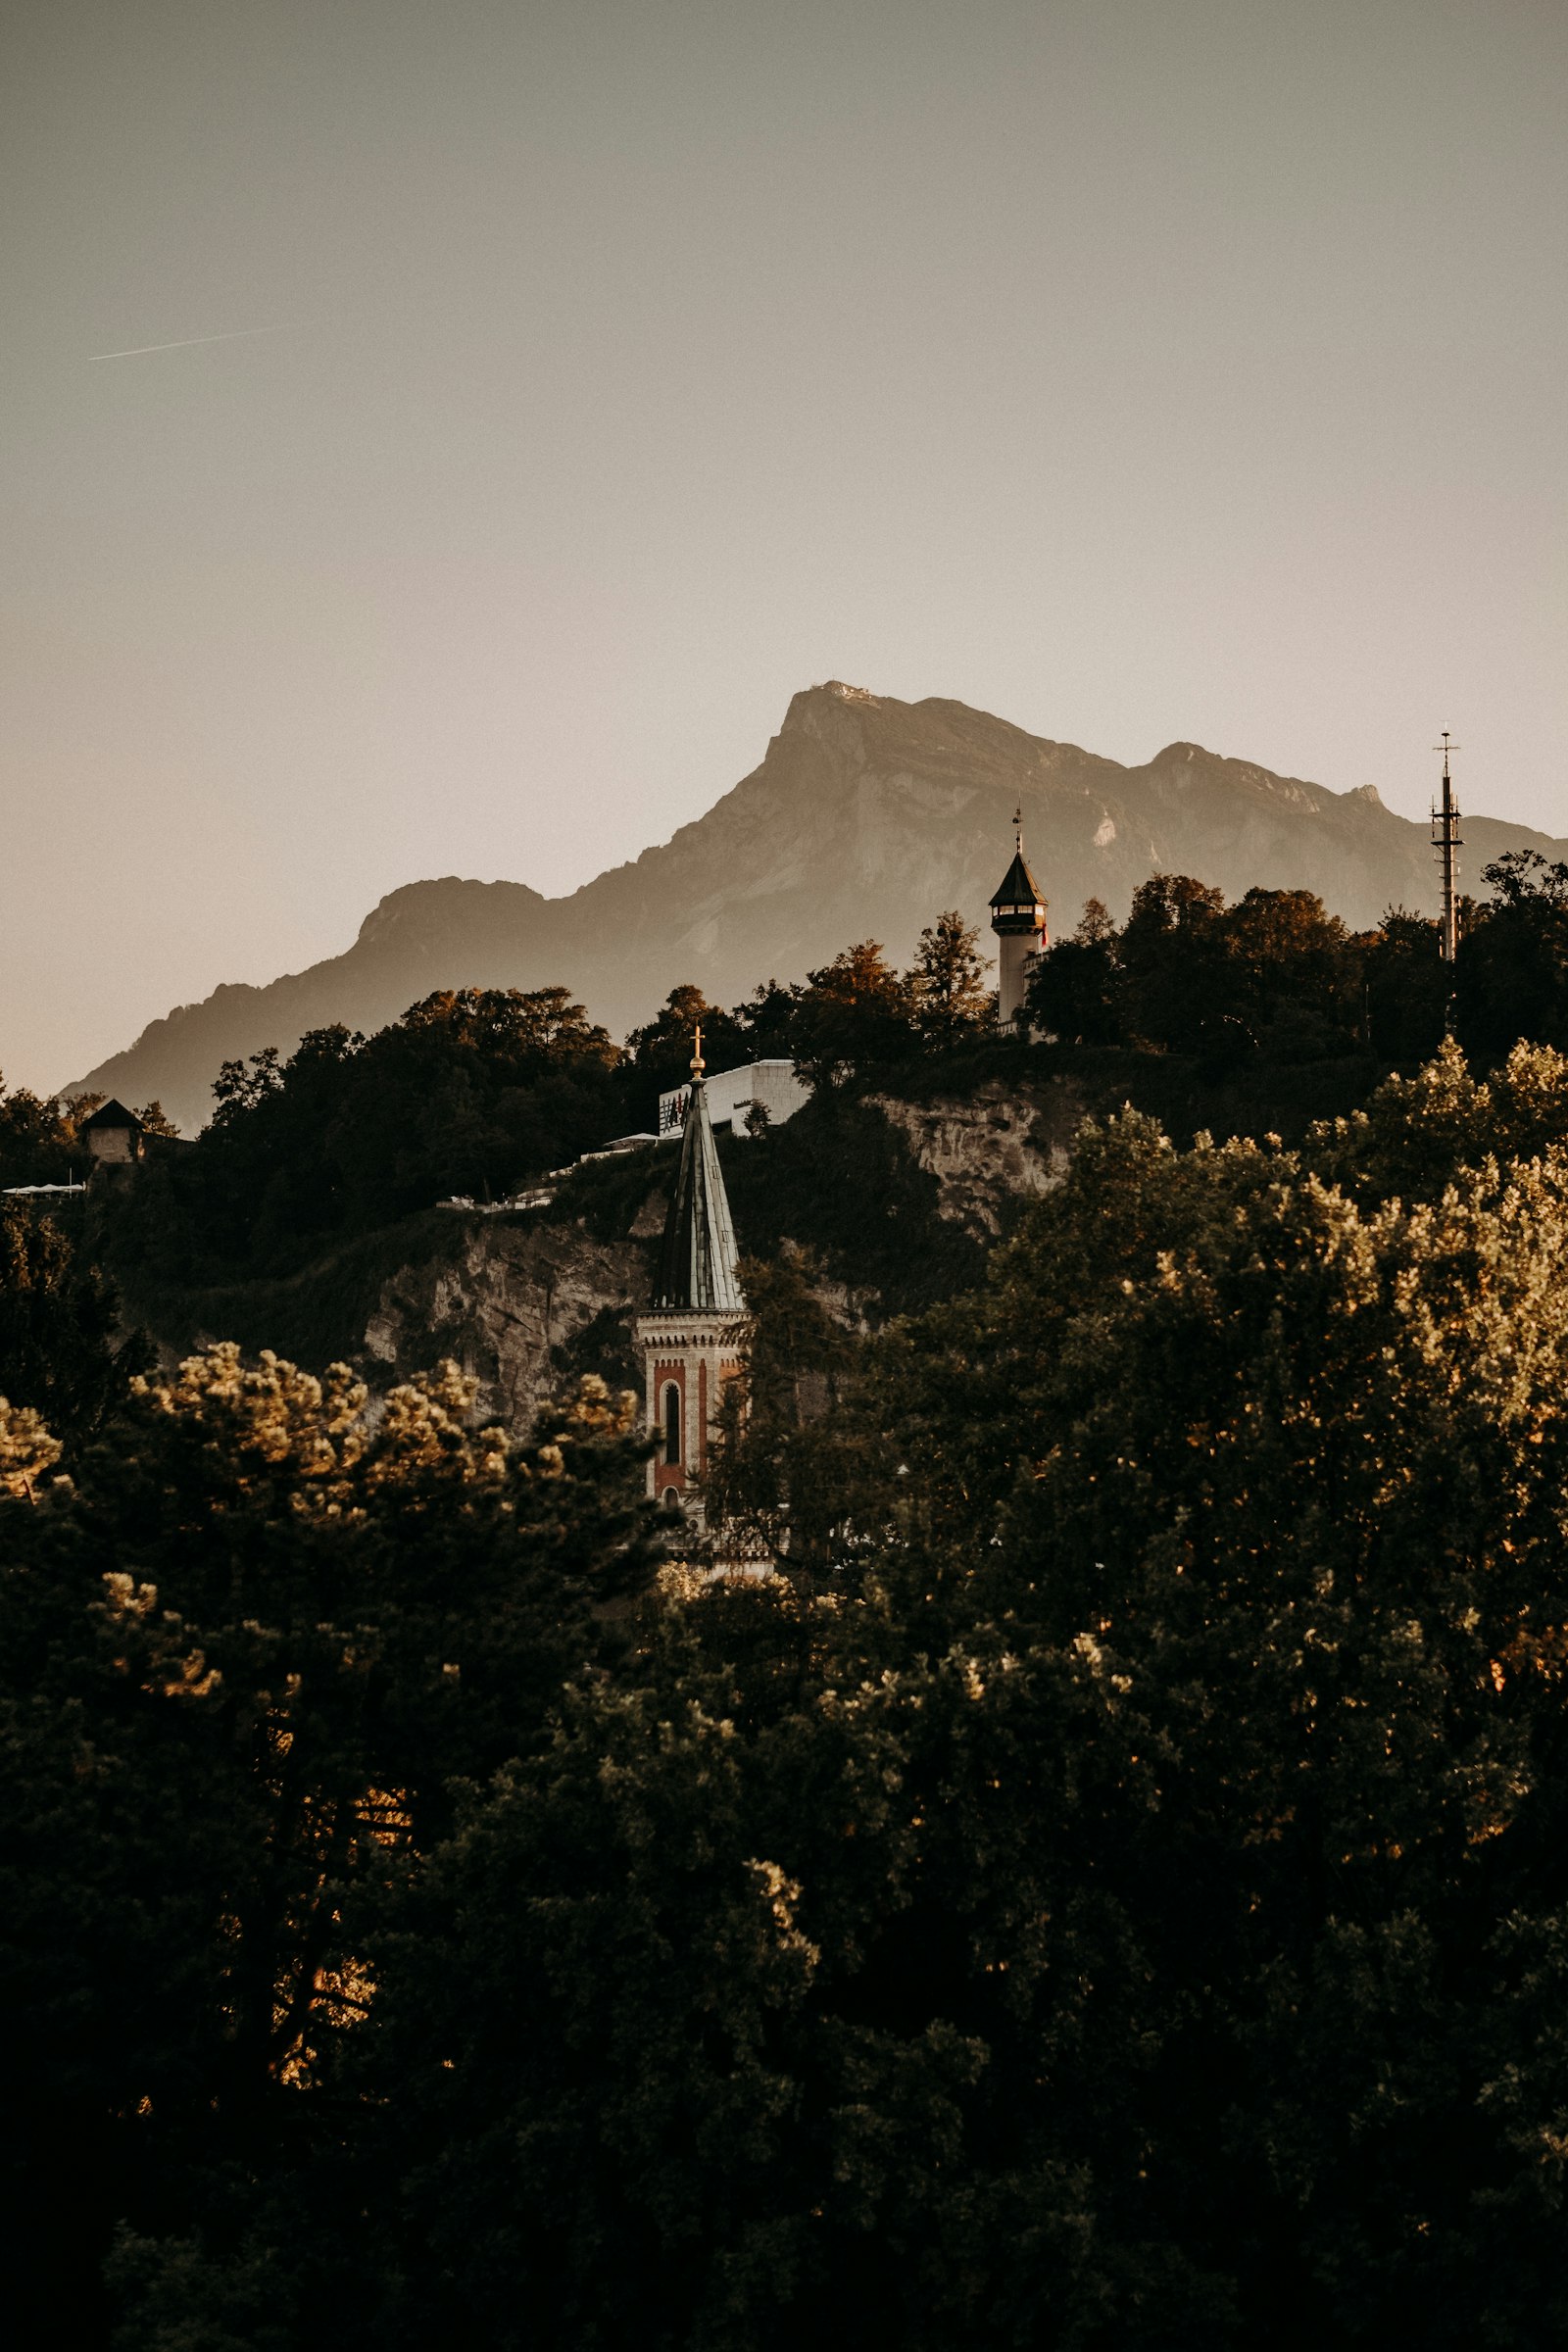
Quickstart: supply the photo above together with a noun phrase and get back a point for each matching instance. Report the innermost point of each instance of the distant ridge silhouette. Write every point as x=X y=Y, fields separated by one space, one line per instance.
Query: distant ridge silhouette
x=867 y=817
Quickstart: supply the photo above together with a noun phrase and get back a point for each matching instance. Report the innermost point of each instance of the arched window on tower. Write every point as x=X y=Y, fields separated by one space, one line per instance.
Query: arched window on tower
x=672 y=1423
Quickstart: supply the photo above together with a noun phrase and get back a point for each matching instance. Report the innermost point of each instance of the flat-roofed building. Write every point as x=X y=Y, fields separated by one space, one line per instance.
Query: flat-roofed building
x=731 y=1094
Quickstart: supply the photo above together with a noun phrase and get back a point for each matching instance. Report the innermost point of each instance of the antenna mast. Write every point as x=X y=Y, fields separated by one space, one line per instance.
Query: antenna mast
x=1446 y=840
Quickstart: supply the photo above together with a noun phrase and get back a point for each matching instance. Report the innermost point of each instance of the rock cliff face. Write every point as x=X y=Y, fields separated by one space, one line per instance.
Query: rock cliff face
x=1004 y=1145
x=524 y=1305
x=867 y=817
x=514 y=1306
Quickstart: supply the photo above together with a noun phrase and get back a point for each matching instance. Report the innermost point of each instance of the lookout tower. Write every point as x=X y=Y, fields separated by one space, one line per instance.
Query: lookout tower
x=689 y=1340
x=1018 y=919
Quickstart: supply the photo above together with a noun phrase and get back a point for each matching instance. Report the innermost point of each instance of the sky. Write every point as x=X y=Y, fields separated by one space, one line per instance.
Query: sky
x=1138 y=369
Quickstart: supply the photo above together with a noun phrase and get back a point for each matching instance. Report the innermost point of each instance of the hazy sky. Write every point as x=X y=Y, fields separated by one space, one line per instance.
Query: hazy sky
x=1137 y=371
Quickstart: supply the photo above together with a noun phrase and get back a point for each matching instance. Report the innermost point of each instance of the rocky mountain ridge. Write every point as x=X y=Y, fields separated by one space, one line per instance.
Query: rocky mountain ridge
x=867 y=816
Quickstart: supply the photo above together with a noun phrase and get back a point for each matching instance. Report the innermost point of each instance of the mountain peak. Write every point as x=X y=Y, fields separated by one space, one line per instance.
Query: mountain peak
x=818 y=706
x=865 y=819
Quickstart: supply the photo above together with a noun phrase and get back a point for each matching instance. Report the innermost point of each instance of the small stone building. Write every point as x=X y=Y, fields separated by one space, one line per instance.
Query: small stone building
x=112 y=1135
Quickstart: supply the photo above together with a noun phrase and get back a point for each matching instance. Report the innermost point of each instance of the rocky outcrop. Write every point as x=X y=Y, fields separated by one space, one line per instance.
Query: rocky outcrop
x=1004 y=1142
x=521 y=1307
x=867 y=817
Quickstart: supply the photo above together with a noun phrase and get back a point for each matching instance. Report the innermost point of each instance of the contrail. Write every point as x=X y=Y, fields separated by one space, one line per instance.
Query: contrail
x=139 y=351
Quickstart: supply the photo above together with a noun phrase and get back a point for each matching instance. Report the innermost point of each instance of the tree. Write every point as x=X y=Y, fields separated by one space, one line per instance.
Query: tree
x=62 y=1350
x=1173 y=954
x=242 y=1086
x=1282 y=1470
x=766 y=1021
x=776 y=1468
x=1292 y=974
x=947 y=982
x=660 y=1051
x=852 y=1015
x=1406 y=986
x=523 y=1027
x=1418 y=1135
x=1075 y=991
x=40 y=1139
x=1275 y=975
x=1511 y=976
x=1134 y=1918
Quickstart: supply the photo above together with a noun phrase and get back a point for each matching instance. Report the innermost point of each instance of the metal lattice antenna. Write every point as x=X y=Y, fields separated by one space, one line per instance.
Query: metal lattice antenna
x=1446 y=840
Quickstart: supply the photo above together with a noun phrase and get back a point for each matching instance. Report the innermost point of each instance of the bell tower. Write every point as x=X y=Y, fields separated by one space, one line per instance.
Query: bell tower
x=1018 y=919
x=690 y=1339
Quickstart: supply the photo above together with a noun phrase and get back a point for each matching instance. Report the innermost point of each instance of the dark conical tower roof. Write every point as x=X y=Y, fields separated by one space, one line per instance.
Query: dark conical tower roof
x=697 y=1264
x=1018 y=886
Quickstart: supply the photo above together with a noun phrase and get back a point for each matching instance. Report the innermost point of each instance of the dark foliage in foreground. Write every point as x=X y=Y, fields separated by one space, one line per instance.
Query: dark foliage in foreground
x=249 y=1655
x=1118 y=1901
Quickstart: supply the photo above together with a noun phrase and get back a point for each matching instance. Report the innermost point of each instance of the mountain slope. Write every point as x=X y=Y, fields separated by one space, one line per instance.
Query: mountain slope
x=865 y=819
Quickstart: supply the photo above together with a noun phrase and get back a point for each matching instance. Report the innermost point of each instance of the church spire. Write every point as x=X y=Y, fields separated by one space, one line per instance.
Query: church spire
x=697 y=1266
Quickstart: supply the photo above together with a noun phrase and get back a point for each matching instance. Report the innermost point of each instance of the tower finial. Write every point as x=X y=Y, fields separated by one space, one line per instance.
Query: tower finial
x=1017 y=828
x=699 y=1065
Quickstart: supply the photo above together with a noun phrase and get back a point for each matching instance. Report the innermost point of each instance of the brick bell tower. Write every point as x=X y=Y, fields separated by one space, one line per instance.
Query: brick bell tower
x=690 y=1339
x=1018 y=919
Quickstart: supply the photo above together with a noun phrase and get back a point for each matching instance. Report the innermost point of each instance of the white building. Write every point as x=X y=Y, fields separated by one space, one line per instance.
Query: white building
x=731 y=1094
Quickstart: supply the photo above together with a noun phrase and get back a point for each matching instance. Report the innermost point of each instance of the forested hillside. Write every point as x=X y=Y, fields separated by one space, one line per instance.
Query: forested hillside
x=1104 y=1889
x=1114 y=1897
x=306 y=1215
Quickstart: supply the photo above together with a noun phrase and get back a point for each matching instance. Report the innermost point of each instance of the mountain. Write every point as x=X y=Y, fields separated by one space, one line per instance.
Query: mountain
x=865 y=819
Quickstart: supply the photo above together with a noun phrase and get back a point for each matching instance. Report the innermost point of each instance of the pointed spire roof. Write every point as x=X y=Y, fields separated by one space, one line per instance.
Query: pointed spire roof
x=1018 y=886
x=697 y=1265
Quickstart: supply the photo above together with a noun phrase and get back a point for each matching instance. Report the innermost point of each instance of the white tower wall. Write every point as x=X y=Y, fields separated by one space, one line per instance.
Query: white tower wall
x=1016 y=952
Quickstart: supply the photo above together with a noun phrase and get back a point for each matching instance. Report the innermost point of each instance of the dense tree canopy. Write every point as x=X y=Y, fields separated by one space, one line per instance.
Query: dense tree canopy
x=1277 y=974
x=470 y=1092
x=1105 y=1890
x=247 y=1656
x=1114 y=1898
x=1188 y=973
x=1513 y=964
